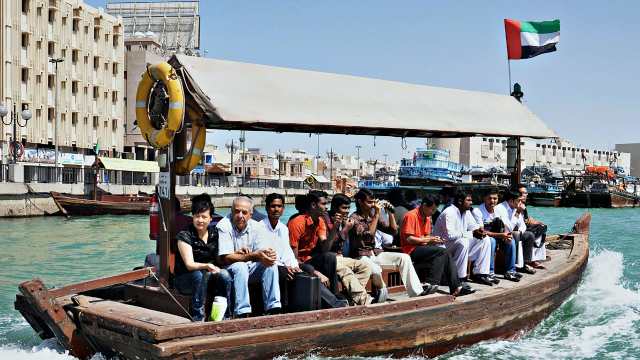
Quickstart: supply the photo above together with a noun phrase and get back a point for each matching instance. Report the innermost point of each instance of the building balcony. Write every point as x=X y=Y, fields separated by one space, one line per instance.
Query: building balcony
x=24 y=23
x=24 y=96
x=24 y=58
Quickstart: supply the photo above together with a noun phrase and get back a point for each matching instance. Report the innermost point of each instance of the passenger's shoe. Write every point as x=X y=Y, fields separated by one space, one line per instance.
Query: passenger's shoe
x=428 y=290
x=381 y=296
x=537 y=265
x=517 y=274
x=526 y=269
x=512 y=276
x=464 y=290
x=493 y=279
x=273 y=311
x=482 y=279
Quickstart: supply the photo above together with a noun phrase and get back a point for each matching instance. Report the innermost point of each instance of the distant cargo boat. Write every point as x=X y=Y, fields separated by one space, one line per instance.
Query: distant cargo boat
x=429 y=167
x=598 y=187
x=544 y=195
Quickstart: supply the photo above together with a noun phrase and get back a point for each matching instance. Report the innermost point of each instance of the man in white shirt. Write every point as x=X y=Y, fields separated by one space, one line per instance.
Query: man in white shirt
x=493 y=227
x=245 y=249
x=512 y=218
x=464 y=239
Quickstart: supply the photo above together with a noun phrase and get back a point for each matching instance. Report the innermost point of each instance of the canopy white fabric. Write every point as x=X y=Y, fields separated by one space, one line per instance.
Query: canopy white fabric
x=234 y=95
x=128 y=165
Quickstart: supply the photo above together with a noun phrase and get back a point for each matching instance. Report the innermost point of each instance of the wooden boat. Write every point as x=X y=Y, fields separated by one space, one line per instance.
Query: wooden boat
x=107 y=204
x=597 y=188
x=544 y=195
x=139 y=315
x=141 y=322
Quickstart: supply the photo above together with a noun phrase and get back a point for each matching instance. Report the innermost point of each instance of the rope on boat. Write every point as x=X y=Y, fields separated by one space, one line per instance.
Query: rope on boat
x=164 y=288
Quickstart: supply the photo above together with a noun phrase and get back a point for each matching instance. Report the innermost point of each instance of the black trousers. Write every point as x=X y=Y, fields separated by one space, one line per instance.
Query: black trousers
x=528 y=241
x=325 y=263
x=436 y=265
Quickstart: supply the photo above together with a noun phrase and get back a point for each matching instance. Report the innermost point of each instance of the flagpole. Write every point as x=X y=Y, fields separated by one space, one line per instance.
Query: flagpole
x=509 y=67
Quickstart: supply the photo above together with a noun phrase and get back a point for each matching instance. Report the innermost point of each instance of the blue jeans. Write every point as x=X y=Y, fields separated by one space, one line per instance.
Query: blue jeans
x=493 y=256
x=196 y=283
x=244 y=273
x=509 y=255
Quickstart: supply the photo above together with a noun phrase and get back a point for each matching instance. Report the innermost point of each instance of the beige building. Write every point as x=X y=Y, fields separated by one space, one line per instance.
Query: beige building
x=139 y=51
x=487 y=152
x=634 y=150
x=90 y=78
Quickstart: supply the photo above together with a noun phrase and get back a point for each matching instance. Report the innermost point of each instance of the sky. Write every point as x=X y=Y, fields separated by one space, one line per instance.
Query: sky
x=585 y=91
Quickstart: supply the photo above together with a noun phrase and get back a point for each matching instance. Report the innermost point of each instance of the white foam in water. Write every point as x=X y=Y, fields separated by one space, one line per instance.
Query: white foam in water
x=602 y=311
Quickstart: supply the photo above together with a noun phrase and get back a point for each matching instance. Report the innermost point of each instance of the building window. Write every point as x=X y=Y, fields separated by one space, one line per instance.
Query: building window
x=115 y=40
x=114 y=97
x=95 y=122
x=76 y=25
x=74 y=56
x=51 y=113
x=38 y=79
x=51 y=49
x=114 y=124
x=25 y=6
x=74 y=87
x=52 y=16
x=96 y=34
x=50 y=81
x=96 y=92
x=25 y=40
x=25 y=75
x=96 y=62
x=115 y=69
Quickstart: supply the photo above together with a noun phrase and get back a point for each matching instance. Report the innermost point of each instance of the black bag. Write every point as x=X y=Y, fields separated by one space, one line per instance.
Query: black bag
x=304 y=293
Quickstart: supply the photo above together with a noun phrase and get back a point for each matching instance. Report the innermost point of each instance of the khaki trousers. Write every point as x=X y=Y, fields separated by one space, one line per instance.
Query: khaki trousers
x=354 y=275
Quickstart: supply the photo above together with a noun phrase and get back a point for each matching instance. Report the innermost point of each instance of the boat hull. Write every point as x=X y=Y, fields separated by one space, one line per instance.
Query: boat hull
x=586 y=199
x=544 y=199
x=429 y=325
x=109 y=205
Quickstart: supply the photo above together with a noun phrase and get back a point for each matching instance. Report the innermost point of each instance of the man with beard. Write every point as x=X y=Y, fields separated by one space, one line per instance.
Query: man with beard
x=464 y=239
x=308 y=238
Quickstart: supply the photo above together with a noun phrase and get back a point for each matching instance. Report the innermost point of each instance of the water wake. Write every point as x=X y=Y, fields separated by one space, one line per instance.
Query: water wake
x=600 y=319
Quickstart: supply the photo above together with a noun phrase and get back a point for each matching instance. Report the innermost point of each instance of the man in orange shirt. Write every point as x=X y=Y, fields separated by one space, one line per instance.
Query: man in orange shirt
x=308 y=239
x=427 y=251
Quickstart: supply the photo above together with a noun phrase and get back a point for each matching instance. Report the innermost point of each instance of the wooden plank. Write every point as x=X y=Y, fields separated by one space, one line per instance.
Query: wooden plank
x=101 y=282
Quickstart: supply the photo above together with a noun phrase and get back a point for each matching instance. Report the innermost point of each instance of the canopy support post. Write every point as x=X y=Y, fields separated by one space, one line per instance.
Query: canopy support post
x=514 y=159
x=167 y=198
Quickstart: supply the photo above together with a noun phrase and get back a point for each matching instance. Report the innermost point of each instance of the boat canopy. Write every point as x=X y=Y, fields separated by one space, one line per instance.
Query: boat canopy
x=241 y=96
x=128 y=165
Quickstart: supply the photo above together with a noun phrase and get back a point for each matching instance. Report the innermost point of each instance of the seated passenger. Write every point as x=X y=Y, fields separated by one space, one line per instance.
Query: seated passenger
x=494 y=229
x=367 y=224
x=539 y=231
x=245 y=250
x=464 y=239
x=510 y=212
x=308 y=239
x=427 y=251
x=198 y=248
x=287 y=262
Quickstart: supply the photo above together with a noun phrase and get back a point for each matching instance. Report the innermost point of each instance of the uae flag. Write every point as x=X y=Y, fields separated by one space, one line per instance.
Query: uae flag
x=526 y=39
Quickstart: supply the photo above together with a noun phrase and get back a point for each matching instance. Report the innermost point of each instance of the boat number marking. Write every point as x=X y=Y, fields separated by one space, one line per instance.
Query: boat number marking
x=163 y=185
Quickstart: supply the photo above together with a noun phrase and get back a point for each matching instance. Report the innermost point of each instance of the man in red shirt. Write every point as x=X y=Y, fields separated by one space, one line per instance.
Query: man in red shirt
x=308 y=239
x=426 y=251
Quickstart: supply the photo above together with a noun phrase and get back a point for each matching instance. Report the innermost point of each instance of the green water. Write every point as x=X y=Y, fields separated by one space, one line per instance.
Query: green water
x=601 y=321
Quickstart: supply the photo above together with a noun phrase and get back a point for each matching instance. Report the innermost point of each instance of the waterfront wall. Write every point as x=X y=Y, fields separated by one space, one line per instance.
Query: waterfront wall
x=23 y=200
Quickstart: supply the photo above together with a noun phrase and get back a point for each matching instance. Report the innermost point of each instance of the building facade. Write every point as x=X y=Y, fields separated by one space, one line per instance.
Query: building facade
x=89 y=79
x=139 y=51
x=488 y=152
x=634 y=150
